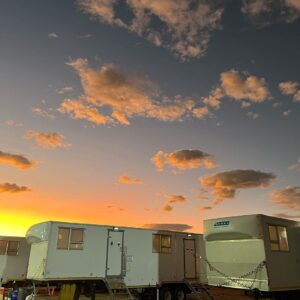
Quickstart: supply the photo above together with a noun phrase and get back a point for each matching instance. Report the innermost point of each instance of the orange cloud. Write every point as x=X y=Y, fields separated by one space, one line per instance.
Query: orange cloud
x=16 y=160
x=237 y=87
x=12 y=188
x=290 y=88
x=126 y=95
x=166 y=226
x=288 y=197
x=203 y=208
x=176 y=198
x=47 y=139
x=264 y=13
x=214 y=98
x=201 y=112
x=129 y=180
x=168 y=207
x=185 y=29
x=225 y=184
x=79 y=110
x=183 y=160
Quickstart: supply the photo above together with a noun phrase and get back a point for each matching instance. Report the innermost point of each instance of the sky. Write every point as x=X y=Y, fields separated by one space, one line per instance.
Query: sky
x=156 y=114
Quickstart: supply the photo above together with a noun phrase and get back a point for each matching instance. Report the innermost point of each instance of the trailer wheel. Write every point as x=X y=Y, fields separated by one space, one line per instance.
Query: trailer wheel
x=165 y=294
x=180 y=293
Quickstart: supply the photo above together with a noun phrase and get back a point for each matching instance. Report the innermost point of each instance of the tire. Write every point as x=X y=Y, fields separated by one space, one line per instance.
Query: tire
x=180 y=293
x=166 y=294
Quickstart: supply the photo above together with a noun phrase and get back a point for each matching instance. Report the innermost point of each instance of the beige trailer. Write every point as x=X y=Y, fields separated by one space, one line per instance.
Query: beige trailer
x=14 y=256
x=253 y=252
x=141 y=258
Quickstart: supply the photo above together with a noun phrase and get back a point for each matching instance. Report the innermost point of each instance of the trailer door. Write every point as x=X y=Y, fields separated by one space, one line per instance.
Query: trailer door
x=114 y=256
x=189 y=259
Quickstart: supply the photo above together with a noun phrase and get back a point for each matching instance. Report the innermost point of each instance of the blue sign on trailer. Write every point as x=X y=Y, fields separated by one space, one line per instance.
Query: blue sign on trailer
x=223 y=223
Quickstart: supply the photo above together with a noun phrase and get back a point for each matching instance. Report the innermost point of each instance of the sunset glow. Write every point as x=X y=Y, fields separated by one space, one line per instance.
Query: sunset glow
x=147 y=113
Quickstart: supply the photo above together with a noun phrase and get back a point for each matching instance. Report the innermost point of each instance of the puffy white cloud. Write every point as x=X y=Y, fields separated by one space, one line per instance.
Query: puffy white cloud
x=287 y=113
x=224 y=185
x=166 y=226
x=201 y=112
x=12 y=188
x=16 y=160
x=185 y=27
x=288 y=197
x=47 y=140
x=183 y=160
x=129 y=180
x=253 y=115
x=214 y=98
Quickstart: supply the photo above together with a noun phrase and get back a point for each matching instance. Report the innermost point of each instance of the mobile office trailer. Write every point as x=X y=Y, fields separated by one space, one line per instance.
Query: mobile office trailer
x=144 y=259
x=14 y=256
x=253 y=252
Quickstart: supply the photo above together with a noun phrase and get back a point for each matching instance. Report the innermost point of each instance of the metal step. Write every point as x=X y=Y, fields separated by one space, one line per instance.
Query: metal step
x=198 y=289
x=118 y=289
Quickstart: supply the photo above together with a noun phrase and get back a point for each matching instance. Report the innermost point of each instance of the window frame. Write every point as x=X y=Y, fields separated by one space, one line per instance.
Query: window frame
x=277 y=241
x=161 y=247
x=69 y=241
x=9 y=252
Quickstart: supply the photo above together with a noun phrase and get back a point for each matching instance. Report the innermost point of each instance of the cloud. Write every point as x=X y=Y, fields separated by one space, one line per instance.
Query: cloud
x=12 y=188
x=252 y=115
x=47 y=140
x=290 y=88
x=166 y=226
x=85 y=36
x=52 y=35
x=176 y=198
x=183 y=160
x=201 y=112
x=267 y=12
x=124 y=96
x=214 y=98
x=296 y=166
x=12 y=123
x=286 y=216
x=239 y=87
x=276 y=104
x=288 y=197
x=16 y=160
x=287 y=113
x=65 y=89
x=43 y=113
x=204 y=208
x=129 y=180
x=173 y=199
x=168 y=207
x=184 y=27
x=247 y=89
x=79 y=110
x=224 y=185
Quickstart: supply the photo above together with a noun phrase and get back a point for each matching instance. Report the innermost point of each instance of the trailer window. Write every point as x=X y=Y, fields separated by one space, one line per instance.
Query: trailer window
x=3 y=247
x=278 y=238
x=76 y=241
x=70 y=238
x=161 y=243
x=9 y=248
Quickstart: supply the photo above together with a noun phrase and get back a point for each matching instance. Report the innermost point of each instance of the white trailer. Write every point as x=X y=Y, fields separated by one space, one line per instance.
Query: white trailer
x=253 y=252
x=14 y=256
x=141 y=258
